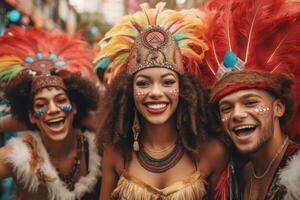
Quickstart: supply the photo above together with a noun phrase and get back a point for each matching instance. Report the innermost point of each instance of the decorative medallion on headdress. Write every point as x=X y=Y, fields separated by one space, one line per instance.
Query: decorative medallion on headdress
x=42 y=54
x=154 y=38
x=252 y=35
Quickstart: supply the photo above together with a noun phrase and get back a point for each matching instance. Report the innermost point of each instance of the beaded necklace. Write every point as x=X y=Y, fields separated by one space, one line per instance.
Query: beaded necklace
x=69 y=179
x=162 y=164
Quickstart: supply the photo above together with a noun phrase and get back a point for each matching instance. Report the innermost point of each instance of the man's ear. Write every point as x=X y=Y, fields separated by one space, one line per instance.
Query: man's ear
x=279 y=108
x=32 y=118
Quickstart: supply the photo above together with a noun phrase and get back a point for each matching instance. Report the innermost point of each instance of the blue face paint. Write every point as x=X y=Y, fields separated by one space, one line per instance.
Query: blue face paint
x=39 y=113
x=66 y=107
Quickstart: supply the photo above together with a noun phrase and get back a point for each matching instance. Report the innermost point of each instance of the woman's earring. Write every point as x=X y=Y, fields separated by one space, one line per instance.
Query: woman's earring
x=136 y=131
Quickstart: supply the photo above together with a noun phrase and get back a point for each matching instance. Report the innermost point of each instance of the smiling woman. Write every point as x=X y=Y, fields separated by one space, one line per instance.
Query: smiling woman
x=154 y=126
x=47 y=91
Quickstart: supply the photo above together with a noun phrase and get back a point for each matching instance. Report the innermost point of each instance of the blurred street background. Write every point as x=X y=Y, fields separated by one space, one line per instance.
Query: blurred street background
x=92 y=17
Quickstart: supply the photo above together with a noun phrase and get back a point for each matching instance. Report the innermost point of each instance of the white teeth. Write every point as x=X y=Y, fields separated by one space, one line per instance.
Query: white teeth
x=157 y=106
x=55 y=120
x=243 y=127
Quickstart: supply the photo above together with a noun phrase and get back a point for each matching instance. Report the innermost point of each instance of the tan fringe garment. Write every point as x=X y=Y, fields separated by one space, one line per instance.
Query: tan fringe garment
x=131 y=188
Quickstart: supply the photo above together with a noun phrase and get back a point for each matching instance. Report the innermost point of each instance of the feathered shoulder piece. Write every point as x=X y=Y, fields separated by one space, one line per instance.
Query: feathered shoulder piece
x=256 y=35
x=42 y=52
x=150 y=34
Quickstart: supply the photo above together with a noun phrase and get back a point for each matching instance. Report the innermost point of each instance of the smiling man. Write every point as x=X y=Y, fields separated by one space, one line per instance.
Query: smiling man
x=254 y=107
x=253 y=64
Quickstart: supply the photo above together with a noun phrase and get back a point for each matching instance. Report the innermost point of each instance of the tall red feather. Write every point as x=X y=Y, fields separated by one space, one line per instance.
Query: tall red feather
x=265 y=34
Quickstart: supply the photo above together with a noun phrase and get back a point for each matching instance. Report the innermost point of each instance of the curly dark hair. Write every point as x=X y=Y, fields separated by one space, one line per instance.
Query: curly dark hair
x=81 y=92
x=118 y=115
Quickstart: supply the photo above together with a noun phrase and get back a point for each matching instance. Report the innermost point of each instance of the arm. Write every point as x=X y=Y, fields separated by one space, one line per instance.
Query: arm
x=5 y=167
x=109 y=174
x=8 y=123
x=218 y=152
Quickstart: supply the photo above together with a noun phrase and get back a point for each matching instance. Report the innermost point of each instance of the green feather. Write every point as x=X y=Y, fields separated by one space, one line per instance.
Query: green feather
x=122 y=57
x=10 y=73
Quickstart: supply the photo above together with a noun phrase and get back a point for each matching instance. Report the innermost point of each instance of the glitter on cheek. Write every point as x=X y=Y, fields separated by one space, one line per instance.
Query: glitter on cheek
x=224 y=118
x=139 y=94
x=262 y=110
x=174 y=92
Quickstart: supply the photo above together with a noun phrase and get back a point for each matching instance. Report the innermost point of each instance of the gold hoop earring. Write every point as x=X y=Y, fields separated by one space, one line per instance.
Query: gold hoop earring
x=136 y=131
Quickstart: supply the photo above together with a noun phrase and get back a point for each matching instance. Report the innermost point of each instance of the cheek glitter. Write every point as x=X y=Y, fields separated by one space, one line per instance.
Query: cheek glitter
x=139 y=94
x=262 y=110
x=174 y=92
x=224 y=118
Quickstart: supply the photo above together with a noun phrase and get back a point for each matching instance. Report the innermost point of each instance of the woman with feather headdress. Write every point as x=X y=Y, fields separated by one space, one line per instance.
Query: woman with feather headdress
x=45 y=85
x=254 y=56
x=155 y=127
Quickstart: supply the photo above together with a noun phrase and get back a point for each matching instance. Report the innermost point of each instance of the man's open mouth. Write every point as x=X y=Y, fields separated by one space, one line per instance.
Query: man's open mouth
x=244 y=130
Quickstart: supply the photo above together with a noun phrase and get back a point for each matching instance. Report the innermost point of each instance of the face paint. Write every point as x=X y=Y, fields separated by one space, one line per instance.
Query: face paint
x=39 y=113
x=139 y=94
x=66 y=107
x=224 y=119
x=262 y=110
x=174 y=92
x=53 y=113
x=156 y=94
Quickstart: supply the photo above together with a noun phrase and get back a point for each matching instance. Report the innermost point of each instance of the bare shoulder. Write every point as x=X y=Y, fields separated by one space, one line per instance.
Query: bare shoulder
x=113 y=158
x=216 y=150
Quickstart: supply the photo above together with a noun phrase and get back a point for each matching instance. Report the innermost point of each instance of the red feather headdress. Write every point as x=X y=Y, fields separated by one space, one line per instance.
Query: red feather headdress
x=259 y=35
x=43 y=53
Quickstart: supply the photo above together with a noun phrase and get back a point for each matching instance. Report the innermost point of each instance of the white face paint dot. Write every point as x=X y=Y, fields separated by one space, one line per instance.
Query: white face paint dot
x=174 y=92
x=261 y=110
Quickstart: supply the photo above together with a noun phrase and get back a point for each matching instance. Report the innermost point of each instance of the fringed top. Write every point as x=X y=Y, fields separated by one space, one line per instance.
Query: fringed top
x=130 y=187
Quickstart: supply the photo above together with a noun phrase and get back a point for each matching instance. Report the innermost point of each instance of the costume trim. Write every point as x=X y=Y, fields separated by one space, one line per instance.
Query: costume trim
x=20 y=158
x=289 y=176
x=130 y=187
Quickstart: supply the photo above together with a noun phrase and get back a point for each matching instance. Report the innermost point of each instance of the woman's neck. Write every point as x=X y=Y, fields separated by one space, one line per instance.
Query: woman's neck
x=157 y=136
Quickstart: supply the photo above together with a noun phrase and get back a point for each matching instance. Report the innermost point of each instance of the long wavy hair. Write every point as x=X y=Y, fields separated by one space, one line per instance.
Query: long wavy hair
x=118 y=115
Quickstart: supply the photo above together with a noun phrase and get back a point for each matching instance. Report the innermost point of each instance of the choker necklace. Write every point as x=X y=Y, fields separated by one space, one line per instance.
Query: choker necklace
x=162 y=164
x=272 y=161
x=172 y=145
x=69 y=179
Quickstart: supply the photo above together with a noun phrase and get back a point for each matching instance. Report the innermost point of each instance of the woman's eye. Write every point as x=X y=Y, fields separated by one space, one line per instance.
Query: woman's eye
x=142 y=83
x=169 y=82
x=225 y=109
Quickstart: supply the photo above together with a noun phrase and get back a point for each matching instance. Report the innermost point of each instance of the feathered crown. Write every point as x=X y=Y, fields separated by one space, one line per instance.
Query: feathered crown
x=42 y=54
x=252 y=35
x=154 y=37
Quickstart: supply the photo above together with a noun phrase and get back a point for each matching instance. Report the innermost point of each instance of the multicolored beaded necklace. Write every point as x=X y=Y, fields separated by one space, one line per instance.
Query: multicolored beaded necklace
x=162 y=164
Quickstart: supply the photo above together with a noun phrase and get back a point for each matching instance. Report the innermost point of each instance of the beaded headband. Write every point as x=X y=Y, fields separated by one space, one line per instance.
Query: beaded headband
x=155 y=48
